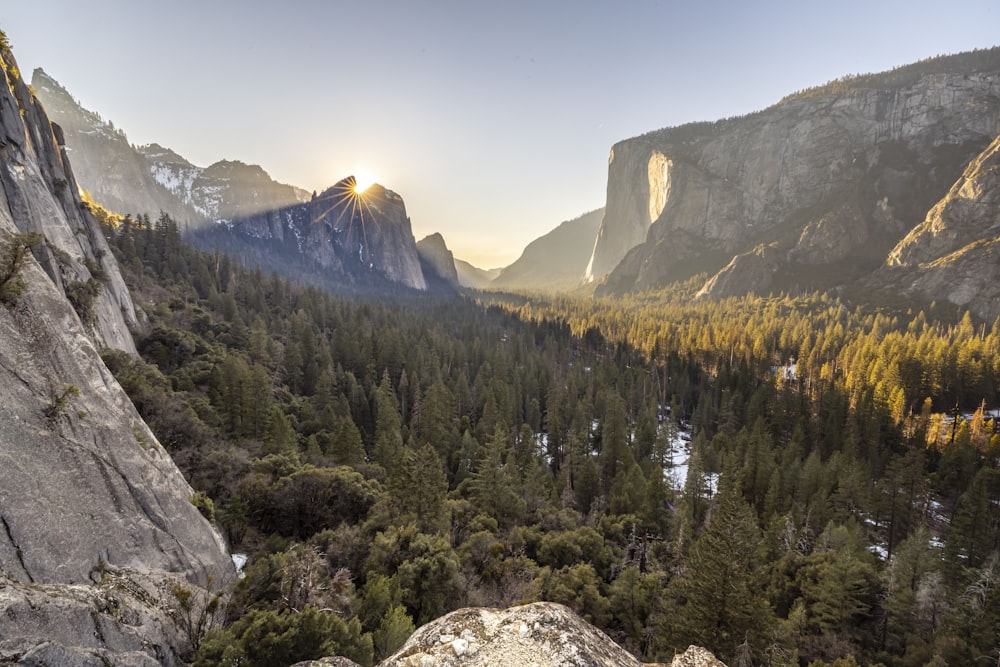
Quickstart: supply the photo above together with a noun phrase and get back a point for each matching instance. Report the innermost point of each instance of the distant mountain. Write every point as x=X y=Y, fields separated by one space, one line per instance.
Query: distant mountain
x=474 y=277
x=437 y=261
x=812 y=193
x=556 y=260
x=150 y=179
x=116 y=174
x=340 y=237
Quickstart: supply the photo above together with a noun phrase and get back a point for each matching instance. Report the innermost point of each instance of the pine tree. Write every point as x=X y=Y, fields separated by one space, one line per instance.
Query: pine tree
x=721 y=593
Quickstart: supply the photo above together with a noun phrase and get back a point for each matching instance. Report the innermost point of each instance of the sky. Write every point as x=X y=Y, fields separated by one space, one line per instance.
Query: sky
x=493 y=120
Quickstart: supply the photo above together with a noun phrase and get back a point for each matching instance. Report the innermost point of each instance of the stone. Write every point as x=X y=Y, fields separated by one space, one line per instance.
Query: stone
x=833 y=178
x=86 y=491
x=954 y=254
x=436 y=260
x=542 y=633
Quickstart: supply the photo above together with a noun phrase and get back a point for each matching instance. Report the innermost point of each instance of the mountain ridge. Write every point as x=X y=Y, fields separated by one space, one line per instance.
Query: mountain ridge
x=833 y=177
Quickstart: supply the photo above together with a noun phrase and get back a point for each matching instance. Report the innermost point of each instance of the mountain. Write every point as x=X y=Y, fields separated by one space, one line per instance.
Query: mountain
x=150 y=179
x=98 y=523
x=437 y=261
x=365 y=239
x=340 y=237
x=225 y=190
x=954 y=252
x=556 y=260
x=474 y=277
x=116 y=174
x=830 y=179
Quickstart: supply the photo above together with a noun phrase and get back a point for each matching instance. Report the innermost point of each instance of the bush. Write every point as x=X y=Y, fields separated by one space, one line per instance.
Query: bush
x=264 y=638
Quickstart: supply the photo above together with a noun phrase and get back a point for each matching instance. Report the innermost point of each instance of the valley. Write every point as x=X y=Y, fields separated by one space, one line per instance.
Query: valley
x=750 y=405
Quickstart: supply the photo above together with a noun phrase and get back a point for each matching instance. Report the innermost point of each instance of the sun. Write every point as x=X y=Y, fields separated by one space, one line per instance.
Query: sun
x=362 y=181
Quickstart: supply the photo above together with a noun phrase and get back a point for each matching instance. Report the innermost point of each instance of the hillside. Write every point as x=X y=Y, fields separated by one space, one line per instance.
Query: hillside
x=830 y=179
x=556 y=260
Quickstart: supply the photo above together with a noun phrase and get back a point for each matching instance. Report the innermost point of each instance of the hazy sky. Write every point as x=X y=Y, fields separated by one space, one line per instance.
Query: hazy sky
x=493 y=120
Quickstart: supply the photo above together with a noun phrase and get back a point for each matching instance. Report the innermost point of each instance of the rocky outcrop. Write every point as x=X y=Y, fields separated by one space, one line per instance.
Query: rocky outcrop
x=124 y=619
x=340 y=237
x=150 y=179
x=749 y=272
x=226 y=190
x=836 y=174
x=556 y=260
x=84 y=485
x=436 y=260
x=954 y=254
x=542 y=633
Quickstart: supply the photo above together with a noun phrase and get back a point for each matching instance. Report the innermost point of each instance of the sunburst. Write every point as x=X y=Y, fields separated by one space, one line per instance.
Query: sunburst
x=352 y=197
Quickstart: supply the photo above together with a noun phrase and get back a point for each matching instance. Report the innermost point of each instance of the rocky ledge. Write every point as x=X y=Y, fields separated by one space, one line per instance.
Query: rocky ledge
x=544 y=634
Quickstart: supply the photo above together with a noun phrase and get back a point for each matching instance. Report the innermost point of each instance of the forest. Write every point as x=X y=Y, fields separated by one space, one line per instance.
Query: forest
x=385 y=458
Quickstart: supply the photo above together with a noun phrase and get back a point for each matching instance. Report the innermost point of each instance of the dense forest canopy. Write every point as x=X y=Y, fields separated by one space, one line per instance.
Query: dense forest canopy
x=787 y=481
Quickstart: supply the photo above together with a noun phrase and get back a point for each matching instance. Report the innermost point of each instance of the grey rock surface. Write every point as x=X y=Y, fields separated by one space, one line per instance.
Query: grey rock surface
x=150 y=179
x=954 y=254
x=438 y=259
x=340 y=237
x=749 y=272
x=542 y=633
x=127 y=619
x=85 y=488
x=838 y=173
x=39 y=194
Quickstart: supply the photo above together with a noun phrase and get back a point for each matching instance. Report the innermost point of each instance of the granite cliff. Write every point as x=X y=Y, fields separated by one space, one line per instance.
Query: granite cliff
x=340 y=237
x=831 y=179
x=91 y=506
x=436 y=261
x=954 y=253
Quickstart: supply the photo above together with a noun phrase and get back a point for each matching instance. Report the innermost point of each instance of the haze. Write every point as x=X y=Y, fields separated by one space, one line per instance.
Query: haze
x=494 y=121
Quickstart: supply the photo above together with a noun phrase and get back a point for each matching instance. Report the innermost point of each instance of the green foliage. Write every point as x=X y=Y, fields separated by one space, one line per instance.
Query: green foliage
x=59 y=401
x=264 y=638
x=393 y=458
x=204 y=504
x=14 y=251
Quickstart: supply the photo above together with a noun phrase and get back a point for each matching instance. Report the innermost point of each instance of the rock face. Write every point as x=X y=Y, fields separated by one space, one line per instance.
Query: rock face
x=834 y=176
x=340 y=237
x=955 y=252
x=39 y=195
x=124 y=619
x=750 y=271
x=152 y=178
x=437 y=261
x=557 y=260
x=84 y=485
x=542 y=633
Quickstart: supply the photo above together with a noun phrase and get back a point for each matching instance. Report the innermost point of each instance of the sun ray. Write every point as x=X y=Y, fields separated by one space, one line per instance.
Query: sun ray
x=352 y=200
